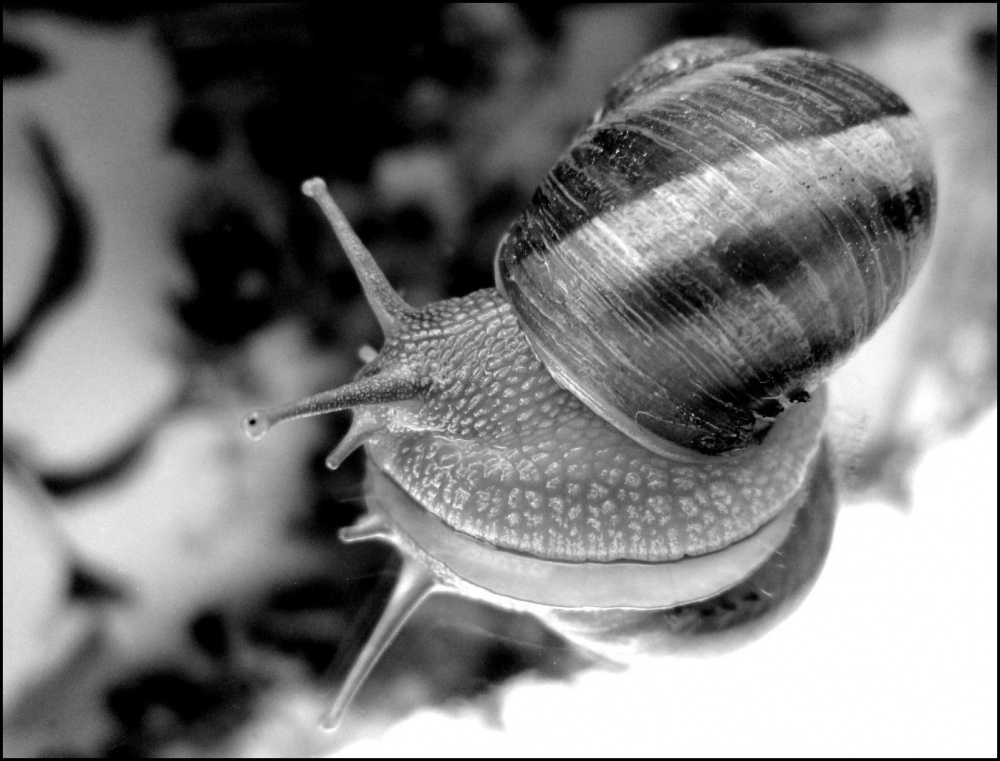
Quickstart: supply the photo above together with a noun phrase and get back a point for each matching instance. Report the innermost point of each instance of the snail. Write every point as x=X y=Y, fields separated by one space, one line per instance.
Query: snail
x=630 y=424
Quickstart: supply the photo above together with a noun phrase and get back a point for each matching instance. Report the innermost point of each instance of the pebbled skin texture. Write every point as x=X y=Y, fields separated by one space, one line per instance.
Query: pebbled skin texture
x=499 y=451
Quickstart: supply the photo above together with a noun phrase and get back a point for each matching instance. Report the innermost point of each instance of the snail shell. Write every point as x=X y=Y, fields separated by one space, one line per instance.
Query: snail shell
x=732 y=224
x=613 y=429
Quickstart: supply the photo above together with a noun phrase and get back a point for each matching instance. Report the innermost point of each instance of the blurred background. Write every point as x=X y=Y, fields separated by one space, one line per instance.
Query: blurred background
x=171 y=588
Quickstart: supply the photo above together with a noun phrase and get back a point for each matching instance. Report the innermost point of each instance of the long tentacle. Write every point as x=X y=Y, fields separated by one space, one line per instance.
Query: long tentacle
x=387 y=305
x=374 y=389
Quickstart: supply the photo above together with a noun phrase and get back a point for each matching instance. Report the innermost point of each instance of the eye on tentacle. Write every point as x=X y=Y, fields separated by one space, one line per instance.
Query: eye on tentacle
x=392 y=385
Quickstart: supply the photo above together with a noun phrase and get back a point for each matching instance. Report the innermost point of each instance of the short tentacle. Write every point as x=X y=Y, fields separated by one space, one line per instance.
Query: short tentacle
x=369 y=527
x=364 y=424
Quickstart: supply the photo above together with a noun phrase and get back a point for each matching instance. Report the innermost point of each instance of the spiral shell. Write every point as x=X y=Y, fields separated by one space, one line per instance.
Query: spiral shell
x=732 y=225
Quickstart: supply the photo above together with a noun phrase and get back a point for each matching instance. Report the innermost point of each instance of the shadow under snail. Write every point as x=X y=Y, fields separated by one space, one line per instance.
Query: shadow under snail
x=627 y=431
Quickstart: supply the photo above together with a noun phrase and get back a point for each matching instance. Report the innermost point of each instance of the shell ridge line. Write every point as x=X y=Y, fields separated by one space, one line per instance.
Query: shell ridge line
x=606 y=222
x=759 y=66
x=800 y=151
x=836 y=147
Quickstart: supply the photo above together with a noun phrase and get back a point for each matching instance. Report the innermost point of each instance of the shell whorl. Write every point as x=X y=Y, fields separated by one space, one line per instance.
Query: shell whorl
x=732 y=224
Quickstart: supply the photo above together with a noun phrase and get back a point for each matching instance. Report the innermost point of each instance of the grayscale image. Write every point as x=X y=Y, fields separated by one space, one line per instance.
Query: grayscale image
x=489 y=380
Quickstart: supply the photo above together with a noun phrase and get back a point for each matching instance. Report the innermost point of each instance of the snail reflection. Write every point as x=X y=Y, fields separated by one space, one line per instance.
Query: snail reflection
x=625 y=437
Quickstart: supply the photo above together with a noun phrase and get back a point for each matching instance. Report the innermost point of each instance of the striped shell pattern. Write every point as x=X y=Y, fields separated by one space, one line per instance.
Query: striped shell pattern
x=732 y=225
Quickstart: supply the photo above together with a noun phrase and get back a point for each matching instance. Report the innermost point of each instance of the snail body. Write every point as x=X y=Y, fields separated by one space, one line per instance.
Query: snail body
x=495 y=448
x=632 y=420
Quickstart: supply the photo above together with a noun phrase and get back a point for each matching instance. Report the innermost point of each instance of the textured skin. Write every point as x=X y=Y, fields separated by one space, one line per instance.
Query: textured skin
x=499 y=451
x=756 y=603
x=733 y=224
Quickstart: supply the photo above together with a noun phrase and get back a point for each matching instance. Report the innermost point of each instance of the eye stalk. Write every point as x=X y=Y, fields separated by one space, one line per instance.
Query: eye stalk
x=387 y=305
x=384 y=388
x=389 y=309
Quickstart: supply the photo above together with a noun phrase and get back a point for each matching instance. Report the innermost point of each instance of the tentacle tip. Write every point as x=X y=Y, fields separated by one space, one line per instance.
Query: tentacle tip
x=314 y=187
x=332 y=720
x=255 y=426
x=369 y=528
